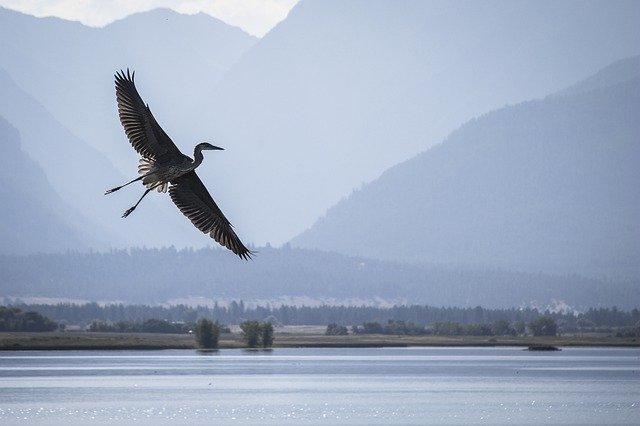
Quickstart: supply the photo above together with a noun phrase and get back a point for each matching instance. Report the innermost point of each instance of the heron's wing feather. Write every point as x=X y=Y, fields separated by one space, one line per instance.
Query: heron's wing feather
x=142 y=129
x=194 y=201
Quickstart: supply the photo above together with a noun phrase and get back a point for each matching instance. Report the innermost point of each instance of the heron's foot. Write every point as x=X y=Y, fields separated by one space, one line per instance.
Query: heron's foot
x=112 y=190
x=128 y=212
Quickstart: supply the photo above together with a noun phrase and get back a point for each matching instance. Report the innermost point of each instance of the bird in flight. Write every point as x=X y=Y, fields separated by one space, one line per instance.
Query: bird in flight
x=163 y=167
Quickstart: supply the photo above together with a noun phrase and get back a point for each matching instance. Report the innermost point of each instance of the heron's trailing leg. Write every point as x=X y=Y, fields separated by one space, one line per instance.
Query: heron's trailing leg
x=128 y=212
x=122 y=186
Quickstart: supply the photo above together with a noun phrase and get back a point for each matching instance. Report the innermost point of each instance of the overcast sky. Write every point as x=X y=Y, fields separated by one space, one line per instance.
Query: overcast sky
x=256 y=17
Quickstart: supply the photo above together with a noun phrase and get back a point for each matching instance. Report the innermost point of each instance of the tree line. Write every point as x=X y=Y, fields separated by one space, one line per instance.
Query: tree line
x=542 y=326
x=256 y=334
x=15 y=319
x=152 y=276
x=594 y=319
x=152 y=325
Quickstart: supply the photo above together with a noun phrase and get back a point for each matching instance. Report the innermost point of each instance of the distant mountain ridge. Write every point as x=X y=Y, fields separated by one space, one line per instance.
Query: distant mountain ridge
x=330 y=98
x=56 y=80
x=548 y=185
x=80 y=174
x=34 y=218
x=342 y=90
x=72 y=167
x=158 y=276
x=68 y=67
x=621 y=71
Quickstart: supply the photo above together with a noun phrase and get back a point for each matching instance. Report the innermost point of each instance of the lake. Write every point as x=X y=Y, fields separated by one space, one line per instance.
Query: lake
x=322 y=386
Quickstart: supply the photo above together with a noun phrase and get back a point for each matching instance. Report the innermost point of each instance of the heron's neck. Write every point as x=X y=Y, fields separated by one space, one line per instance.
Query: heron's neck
x=197 y=157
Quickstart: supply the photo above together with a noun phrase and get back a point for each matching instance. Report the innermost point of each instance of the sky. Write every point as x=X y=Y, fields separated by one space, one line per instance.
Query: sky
x=256 y=17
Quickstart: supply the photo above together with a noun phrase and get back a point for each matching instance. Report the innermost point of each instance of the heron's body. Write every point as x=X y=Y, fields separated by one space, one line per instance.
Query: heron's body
x=155 y=172
x=164 y=167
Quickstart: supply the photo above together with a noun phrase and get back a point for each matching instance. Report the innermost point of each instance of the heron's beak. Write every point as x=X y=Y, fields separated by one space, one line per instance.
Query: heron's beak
x=217 y=147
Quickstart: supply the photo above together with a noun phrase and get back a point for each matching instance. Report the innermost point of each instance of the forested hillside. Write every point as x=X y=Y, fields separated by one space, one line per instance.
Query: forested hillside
x=294 y=276
x=549 y=185
x=342 y=90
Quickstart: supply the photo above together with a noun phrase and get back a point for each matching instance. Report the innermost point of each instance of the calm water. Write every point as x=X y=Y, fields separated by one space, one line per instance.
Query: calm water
x=322 y=386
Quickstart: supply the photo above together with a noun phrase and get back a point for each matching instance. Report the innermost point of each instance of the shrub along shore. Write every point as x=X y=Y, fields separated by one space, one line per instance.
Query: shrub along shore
x=31 y=330
x=113 y=341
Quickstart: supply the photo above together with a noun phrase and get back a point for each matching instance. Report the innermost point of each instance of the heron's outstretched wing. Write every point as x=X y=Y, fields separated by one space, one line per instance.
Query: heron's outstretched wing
x=194 y=201
x=143 y=131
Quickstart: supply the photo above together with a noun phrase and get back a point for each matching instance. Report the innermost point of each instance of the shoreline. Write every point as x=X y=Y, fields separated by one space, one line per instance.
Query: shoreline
x=22 y=341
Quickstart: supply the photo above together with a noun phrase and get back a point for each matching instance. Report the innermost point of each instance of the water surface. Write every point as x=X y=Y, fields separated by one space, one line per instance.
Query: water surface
x=322 y=386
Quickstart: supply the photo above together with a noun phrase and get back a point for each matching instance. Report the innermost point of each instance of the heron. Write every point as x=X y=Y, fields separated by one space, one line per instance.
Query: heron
x=163 y=167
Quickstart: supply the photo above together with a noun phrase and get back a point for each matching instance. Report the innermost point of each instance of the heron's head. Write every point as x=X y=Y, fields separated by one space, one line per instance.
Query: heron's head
x=207 y=146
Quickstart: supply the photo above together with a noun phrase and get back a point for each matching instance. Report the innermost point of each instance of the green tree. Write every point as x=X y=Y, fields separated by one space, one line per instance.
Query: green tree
x=584 y=324
x=372 y=328
x=502 y=327
x=207 y=334
x=629 y=331
x=475 y=329
x=543 y=326
x=14 y=319
x=519 y=327
x=334 y=329
x=251 y=333
x=157 y=326
x=266 y=335
x=447 y=328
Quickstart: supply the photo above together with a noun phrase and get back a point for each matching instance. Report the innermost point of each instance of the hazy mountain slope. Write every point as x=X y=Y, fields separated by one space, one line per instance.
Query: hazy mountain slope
x=156 y=276
x=81 y=174
x=77 y=172
x=61 y=71
x=618 y=72
x=69 y=68
x=340 y=91
x=548 y=185
x=33 y=218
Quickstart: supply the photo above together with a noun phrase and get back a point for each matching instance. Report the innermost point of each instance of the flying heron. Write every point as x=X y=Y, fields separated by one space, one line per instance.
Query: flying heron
x=163 y=167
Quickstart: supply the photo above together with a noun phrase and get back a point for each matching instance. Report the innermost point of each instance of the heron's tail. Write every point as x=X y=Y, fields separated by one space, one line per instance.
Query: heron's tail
x=145 y=167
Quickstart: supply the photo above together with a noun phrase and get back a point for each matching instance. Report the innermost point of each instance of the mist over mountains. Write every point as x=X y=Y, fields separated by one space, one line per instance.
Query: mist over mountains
x=548 y=185
x=330 y=98
x=56 y=78
x=499 y=141
x=69 y=67
x=293 y=276
x=33 y=215
x=72 y=169
x=342 y=90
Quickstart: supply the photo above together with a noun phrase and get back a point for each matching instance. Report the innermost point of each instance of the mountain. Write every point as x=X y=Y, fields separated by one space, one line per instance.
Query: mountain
x=293 y=275
x=549 y=185
x=58 y=91
x=33 y=217
x=330 y=98
x=74 y=169
x=618 y=72
x=340 y=91
x=80 y=174
x=69 y=68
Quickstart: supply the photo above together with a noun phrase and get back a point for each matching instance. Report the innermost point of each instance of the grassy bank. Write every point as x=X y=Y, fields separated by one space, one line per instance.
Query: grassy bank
x=88 y=340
